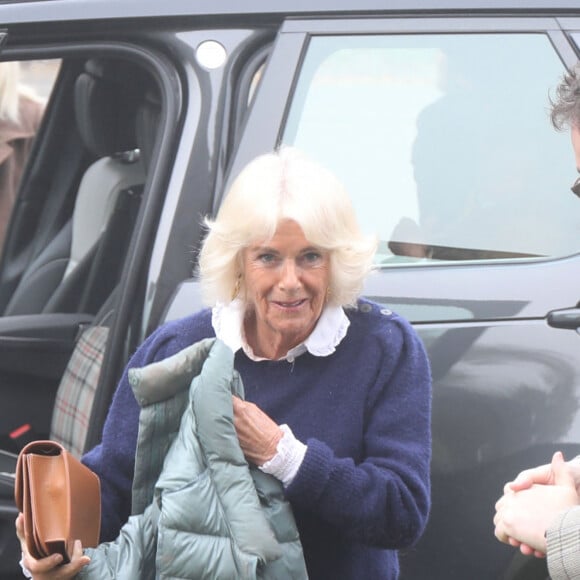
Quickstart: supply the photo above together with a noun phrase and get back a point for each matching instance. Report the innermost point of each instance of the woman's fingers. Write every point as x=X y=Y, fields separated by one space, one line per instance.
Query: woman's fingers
x=257 y=433
x=51 y=567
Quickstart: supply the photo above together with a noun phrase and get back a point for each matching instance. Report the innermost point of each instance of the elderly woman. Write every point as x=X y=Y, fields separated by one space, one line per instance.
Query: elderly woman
x=337 y=389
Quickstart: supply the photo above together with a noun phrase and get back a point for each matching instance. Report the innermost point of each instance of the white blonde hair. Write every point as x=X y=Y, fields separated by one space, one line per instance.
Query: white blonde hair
x=285 y=185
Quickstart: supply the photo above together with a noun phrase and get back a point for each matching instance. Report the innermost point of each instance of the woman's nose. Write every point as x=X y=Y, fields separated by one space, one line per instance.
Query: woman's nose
x=289 y=276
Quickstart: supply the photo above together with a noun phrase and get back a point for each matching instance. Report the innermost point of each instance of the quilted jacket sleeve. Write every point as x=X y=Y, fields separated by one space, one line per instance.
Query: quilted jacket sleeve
x=130 y=556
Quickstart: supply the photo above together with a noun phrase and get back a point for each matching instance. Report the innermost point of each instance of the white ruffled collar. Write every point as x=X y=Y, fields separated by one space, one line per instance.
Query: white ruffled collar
x=227 y=321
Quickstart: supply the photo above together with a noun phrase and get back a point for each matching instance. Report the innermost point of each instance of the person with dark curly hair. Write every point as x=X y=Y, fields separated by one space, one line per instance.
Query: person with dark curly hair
x=539 y=512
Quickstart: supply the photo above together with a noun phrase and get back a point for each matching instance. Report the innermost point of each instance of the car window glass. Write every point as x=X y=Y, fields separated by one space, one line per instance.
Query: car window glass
x=444 y=142
x=24 y=90
x=40 y=75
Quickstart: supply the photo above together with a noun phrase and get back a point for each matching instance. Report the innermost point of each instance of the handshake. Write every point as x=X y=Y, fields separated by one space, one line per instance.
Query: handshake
x=539 y=513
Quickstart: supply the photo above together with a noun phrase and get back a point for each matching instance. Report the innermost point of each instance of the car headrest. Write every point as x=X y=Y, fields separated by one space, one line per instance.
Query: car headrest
x=107 y=95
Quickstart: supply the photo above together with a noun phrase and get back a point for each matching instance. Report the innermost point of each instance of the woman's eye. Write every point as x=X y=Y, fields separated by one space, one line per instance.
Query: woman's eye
x=312 y=257
x=266 y=258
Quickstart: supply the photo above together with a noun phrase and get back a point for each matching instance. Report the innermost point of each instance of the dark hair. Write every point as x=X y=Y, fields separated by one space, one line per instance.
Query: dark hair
x=566 y=107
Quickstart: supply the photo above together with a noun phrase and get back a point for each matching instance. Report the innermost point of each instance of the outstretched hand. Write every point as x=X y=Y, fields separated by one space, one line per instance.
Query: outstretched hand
x=526 y=510
x=50 y=568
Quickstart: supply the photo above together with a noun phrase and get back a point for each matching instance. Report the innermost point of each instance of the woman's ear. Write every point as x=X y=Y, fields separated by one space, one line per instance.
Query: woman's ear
x=237 y=287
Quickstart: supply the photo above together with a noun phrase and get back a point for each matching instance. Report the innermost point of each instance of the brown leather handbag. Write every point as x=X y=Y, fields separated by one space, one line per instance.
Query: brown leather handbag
x=60 y=499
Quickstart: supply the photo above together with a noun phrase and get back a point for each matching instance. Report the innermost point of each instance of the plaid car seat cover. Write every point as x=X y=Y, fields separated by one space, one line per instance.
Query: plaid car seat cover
x=76 y=392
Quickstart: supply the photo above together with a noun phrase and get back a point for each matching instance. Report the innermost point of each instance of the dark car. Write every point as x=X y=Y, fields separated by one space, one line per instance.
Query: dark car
x=434 y=115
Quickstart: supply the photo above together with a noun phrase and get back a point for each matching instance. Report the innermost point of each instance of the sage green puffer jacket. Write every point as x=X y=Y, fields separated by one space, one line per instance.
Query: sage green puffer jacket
x=200 y=510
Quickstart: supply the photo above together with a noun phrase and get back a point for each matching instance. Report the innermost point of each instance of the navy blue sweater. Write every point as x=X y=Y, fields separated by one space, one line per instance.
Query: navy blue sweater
x=363 y=489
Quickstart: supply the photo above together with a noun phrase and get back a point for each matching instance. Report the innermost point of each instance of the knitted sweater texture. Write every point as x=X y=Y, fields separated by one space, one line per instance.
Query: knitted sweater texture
x=363 y=489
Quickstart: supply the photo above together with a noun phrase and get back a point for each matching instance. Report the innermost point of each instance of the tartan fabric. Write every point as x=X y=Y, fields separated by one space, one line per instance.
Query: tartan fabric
x=563 y=539
x=76 y=392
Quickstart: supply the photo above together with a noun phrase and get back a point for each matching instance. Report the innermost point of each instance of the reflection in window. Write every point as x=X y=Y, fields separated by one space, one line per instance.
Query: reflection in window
x=24 y=89
x=443 y=141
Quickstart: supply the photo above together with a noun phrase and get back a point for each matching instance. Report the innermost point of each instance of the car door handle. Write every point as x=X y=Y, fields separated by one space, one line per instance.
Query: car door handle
x=568 y=318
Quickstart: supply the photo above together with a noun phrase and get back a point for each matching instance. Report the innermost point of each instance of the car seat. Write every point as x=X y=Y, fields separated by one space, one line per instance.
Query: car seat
x=107 y=94
x=78 y=387
x=77 y=390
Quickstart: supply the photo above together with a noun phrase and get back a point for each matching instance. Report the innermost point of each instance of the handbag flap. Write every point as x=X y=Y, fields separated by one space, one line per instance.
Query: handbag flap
x=59 y=497
x=49 y=492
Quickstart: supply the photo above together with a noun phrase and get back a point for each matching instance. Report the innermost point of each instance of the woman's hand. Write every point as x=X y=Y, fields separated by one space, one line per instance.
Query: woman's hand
x=50 y=568
x=257 y=433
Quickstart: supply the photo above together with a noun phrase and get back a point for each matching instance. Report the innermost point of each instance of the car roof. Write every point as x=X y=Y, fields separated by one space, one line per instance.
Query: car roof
x=82 y=10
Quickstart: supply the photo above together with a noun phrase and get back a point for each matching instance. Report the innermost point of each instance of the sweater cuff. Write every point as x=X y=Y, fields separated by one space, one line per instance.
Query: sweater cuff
x=289 y=456
x=314 y=475
x=562 y=538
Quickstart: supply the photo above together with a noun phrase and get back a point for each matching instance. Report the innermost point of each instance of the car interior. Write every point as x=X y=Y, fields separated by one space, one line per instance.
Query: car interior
x=67 y=242
x=86 y=208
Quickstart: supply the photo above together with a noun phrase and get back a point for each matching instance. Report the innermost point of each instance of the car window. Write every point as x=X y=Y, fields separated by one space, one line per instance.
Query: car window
x=40 y=75
x=25 y=87
x=444 y=142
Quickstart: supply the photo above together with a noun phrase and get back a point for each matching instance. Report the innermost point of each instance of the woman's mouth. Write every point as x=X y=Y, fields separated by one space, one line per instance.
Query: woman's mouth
x=290 y=304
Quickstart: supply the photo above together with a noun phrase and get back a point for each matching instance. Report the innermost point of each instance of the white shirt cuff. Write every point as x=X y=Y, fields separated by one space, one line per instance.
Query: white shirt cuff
x=25 y=571
x=288 y=459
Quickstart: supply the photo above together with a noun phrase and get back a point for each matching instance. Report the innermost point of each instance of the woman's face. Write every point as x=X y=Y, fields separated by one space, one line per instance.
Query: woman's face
x=286 y=280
